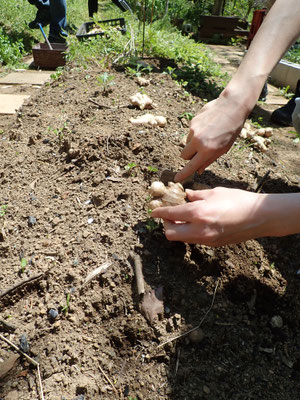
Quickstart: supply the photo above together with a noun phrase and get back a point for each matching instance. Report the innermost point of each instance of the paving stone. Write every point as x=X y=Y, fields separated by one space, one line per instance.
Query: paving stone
x=29 y=77
x=10 y=103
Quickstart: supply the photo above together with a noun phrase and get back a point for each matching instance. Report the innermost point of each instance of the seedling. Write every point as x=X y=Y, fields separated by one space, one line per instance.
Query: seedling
x=24 y=262
x=151 y=225
x=65 y=309
x=186 y=115
x=130 y=166
x=57 y=74
x=106 y=81
x=152 y=169
x=3 y=210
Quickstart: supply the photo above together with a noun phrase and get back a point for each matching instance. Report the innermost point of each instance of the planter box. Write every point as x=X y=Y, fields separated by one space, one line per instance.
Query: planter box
x=286 y=74
x=211 y=25
x=45 y=58
x=85 y=31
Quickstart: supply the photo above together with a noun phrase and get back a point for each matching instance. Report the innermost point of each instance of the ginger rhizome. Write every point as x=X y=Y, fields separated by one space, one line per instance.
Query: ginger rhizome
x=163 y=196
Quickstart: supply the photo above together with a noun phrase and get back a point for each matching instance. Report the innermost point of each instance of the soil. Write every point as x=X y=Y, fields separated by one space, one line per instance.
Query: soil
x=74 y=176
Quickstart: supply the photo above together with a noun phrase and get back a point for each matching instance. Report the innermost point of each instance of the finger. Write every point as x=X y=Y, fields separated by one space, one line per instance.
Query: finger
x=189 y=151
x=195 y=195
x=183 y=212
x=178 y=232
x=191 y=167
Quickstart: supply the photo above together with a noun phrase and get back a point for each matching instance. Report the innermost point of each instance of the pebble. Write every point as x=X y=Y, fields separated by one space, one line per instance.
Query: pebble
x=276 y=321
x=206 y=389
x=31 y=220
x=52 y=314
x=196 y=336
x=24 y=346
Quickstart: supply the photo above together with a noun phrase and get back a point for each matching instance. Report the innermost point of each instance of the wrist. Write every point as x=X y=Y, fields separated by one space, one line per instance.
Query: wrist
x=280 y=214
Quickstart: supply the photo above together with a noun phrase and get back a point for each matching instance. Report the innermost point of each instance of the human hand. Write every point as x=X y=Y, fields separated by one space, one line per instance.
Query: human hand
x=216 y=217
x=212 y=133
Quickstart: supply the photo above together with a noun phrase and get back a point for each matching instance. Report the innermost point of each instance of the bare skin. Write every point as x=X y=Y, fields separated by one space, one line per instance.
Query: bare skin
x=225 y=216
x=214 y=219
x=215 y=128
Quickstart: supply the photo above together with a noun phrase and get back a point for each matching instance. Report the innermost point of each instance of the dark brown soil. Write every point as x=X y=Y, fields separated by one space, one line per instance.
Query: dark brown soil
x=82 y=172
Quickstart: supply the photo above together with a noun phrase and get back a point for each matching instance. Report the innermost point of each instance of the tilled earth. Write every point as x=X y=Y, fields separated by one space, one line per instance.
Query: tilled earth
x=74 y=178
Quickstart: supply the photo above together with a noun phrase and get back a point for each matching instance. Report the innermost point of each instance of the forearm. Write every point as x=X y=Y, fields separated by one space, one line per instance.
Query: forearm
x=281 y=214
x=279 y=30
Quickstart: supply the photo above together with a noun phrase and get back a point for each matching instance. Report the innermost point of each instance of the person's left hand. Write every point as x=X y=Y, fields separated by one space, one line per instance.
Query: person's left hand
x=215 y=217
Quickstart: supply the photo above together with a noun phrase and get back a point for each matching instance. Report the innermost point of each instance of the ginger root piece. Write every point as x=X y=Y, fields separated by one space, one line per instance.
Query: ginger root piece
x=141 y=101
x=259 y=137
x=149 y=119
x=163 y=196
x=142 y=81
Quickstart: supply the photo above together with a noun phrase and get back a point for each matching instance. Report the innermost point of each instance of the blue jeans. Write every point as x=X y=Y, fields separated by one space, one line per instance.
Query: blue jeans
x=58 y=14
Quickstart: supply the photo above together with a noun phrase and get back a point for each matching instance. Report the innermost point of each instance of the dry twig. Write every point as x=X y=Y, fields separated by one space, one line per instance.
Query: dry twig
x=30 y=360
x=138 y=270
x=196 y=327
x=108 y=380
x=25 y=281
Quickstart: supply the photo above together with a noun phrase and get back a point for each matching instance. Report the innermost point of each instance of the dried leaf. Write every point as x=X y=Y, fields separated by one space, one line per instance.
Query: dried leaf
x=97 y=272
x=152 y=305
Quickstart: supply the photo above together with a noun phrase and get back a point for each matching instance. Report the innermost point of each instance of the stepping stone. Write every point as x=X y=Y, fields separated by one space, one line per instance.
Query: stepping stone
x=26 y=77
x=10 y=103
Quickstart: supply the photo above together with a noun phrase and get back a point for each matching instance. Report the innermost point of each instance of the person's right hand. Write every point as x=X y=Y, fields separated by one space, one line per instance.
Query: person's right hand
x=212 y=133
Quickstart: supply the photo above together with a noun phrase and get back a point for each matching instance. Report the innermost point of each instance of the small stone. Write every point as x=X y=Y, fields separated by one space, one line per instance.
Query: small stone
x=24 y=346
x=52 y=314
x=90 y=220
x=276 y=321
x=196 y=336
x=206 y=389
x=55 y=221
x=31 y=221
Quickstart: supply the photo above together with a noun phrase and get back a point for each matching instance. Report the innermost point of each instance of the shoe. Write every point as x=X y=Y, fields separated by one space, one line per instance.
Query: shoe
x=57 y=39
x=283 y=115
x=42 y=17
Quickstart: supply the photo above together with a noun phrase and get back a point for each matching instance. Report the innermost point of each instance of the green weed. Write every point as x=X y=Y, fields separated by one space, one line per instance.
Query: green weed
x=105 y=81
x=152 y=169
x=65 y=308
x=24 y=262
x=3 y=210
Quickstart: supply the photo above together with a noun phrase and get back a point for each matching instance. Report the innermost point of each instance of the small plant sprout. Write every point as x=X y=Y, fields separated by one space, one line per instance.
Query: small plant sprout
x=24 y=262
x=3 y=210
x=187 y=115
x=65 y=309
x=106 y=81
x=152 y=169
x=130 y=166
x=151 y=225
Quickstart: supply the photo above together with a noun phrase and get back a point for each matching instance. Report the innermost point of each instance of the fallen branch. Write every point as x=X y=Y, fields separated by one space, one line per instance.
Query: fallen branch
x=35 y=363
x=24 y=282
x=196 y=327
x=110 y=107
x=138 y=270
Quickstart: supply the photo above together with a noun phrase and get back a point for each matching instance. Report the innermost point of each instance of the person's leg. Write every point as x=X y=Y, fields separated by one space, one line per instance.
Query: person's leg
x=283 y=115
x=58 y=12
x=93 y=7
x=43 y=13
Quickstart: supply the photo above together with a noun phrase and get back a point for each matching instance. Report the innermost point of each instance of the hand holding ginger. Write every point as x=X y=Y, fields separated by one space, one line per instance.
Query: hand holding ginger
x=223 y=216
